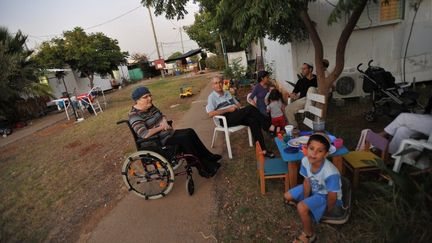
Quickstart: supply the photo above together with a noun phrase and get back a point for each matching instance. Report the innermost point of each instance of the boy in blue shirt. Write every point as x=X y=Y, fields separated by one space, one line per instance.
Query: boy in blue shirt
x=321 y=188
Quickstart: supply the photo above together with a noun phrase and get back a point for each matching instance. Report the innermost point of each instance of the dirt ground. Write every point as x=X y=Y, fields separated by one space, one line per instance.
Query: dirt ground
x=177 y=217
x=67 y=175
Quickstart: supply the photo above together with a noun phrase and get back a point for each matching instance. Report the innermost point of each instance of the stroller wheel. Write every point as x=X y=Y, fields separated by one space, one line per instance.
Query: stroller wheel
x=190 y=186
x=369 y=116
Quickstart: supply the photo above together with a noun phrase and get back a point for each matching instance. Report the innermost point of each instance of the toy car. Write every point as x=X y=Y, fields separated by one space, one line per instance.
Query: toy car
x=185 y=91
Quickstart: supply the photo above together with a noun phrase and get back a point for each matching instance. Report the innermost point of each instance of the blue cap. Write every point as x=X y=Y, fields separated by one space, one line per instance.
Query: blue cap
x=139 y=92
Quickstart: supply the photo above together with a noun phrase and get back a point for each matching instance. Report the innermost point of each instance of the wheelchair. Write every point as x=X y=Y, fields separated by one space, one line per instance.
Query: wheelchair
x=150 y=171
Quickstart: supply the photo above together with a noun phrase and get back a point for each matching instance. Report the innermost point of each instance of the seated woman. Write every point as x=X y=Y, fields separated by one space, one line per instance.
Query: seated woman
x=149 y=122
x=406 y=125
x=260 y=91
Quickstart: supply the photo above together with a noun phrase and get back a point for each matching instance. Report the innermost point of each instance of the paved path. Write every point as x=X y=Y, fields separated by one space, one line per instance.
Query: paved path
x=175 y=218
x=32 y=127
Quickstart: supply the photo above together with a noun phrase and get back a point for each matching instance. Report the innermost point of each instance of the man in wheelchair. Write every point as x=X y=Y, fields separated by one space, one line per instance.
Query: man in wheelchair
x=151 y=125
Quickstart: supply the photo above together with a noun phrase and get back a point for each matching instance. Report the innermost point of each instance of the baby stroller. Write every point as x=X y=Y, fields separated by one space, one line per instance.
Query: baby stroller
x=388 y=98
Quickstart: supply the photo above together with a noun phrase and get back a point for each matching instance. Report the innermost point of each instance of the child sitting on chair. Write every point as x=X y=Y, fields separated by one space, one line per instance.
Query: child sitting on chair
x=321 y=189
x=276 y=109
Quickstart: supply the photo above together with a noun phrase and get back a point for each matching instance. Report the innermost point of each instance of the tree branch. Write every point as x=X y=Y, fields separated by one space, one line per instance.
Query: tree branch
x=319 y=50
x=343 y=39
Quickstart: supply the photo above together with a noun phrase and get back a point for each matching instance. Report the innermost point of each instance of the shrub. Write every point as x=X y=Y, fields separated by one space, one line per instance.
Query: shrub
x=401 y=213
x=215 y=62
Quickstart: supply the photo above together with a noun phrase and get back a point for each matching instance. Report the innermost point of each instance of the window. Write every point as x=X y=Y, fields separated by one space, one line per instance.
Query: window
x=381 y=12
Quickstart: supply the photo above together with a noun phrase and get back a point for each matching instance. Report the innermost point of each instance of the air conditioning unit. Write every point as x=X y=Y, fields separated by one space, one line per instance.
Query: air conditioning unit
x=349 y=85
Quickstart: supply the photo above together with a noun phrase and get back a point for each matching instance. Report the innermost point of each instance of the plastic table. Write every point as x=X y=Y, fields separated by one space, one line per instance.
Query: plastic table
x=293 y=158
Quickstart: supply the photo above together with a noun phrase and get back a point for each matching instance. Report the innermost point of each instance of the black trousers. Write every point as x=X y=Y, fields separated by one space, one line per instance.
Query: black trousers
x=190 y=143
x=250 y=116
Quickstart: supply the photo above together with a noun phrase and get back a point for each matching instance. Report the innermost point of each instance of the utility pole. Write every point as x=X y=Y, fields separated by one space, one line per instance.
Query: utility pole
x=163 y=53
x=154 y=35
x=181 y=39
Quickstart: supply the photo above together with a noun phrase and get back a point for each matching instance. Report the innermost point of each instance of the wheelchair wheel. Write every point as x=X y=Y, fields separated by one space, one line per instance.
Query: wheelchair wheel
x=148 y=174
x=190 y=186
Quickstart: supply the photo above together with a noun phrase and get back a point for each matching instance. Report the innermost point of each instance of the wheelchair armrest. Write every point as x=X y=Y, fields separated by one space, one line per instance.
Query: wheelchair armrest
x=154 y=139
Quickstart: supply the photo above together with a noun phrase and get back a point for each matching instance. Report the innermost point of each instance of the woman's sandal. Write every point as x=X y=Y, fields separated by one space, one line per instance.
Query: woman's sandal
x=306 y=238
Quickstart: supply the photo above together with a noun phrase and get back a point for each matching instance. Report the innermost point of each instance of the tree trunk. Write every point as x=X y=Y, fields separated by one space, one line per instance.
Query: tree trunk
x=325 y=83
x=323 y=87
x=91 y=78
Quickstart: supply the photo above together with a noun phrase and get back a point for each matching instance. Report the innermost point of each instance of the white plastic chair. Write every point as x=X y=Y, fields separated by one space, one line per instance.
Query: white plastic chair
x=408 y=151
x=311 y=98
x=227 y=130
x=94 y=95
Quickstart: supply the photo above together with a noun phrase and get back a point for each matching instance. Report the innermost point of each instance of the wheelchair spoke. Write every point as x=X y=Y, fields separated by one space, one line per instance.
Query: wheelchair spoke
x=148 y=176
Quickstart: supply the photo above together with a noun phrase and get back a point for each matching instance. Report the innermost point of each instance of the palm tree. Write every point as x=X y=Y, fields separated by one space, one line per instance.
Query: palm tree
x=18 y=74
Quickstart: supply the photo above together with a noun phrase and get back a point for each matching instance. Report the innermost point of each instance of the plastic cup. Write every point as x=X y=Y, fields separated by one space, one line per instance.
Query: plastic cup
x=289 y=129
x=338 y=143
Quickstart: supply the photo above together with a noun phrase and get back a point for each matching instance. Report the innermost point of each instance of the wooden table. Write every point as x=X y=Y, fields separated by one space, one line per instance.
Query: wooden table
x=294 y=158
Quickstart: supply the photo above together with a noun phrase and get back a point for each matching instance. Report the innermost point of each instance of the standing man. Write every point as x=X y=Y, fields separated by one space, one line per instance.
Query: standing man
x=309 y=81
x=221 y=102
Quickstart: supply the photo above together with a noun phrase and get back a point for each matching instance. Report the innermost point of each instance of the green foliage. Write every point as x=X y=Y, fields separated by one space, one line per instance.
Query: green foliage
x=400 y=213
x=247 y=21
x=234 y=70
x=342 y=8
x=18 y=74
x=215 y=62
x=86 y=53
x=239 y=22
x=203 y=31
x=175 y=55
x=169 y=7
x=202 y=61
x=269 y=67
x=194 y=59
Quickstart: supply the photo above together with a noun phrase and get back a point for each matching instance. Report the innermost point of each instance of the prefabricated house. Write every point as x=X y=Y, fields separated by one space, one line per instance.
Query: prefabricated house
x=381 y=34
x=76 y=84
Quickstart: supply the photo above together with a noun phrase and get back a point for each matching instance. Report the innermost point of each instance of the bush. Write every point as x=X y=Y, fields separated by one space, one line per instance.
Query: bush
x=397 y=214
x=215 y=62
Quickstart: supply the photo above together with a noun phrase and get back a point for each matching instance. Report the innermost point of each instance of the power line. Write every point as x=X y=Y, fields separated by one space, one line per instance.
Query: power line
x=175 y=42
x=103 y=23
x=115 y=18
x=173 y=23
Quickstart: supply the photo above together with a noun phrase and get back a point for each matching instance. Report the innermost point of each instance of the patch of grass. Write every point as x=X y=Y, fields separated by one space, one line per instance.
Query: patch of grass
x=54 y=180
